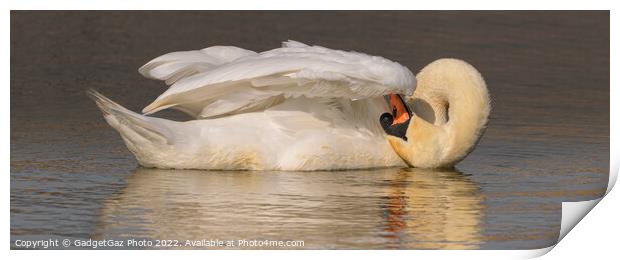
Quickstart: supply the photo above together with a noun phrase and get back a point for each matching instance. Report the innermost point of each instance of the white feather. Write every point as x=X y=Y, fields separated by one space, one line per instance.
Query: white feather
x=174 y=66
x=294 y=70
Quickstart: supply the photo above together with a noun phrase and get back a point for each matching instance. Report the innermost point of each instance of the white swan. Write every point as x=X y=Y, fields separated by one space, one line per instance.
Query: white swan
x=298 y=107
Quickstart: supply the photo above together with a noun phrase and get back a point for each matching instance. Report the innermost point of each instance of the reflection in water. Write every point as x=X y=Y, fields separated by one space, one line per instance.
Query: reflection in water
x=434 y=209
x=388 y=208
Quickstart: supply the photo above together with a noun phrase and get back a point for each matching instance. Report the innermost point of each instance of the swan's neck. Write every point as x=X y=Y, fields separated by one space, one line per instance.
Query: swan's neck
x=451 y=107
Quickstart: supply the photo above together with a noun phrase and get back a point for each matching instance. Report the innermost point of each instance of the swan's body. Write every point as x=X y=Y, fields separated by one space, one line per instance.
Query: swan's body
x=298 y=107
x=296 y=135
x=293 y=108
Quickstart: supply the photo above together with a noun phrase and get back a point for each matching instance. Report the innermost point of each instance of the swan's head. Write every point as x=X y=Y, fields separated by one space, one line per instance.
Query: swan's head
x=416 y=141
x=443 y=120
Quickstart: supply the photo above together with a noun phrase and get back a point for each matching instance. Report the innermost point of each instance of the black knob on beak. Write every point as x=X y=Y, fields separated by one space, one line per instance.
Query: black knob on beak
x=386 y=121
x=398 y=130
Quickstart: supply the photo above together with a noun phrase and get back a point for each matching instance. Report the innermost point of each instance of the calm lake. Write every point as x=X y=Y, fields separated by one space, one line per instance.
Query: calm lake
x=547 y=141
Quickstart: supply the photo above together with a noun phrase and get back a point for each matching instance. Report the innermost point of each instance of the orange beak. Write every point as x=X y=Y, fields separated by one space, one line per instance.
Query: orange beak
x=399 y=109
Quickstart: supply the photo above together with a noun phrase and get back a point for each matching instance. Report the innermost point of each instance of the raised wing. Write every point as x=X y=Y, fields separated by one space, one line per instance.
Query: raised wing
x=229 y=80
x=177 y=65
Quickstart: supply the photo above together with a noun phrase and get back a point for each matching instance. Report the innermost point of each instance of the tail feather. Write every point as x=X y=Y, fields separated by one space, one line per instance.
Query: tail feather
x=132 y=126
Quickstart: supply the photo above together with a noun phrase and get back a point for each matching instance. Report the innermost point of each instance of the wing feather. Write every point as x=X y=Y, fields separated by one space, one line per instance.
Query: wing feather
x=174 y=66
x=228 y=80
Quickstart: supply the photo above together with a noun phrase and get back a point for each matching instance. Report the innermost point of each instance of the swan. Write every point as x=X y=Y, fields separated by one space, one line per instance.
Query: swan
x=302 y=107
